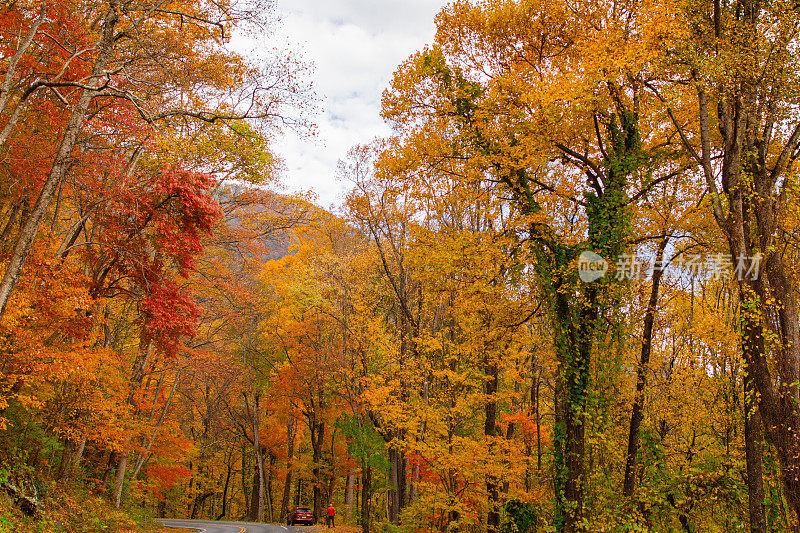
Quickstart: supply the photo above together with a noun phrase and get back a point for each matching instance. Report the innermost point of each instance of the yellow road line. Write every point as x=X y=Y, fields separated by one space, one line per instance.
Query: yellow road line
x=242 y=529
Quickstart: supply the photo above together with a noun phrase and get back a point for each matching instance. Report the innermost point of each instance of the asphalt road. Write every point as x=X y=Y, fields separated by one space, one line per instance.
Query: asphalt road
x=232 y=527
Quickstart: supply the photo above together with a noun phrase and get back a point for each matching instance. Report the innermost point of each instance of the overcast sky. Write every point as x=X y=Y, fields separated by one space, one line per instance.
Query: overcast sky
x=354 y=46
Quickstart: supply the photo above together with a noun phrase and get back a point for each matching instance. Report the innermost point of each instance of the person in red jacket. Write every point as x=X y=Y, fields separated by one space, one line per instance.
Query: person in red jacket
x=331 y=514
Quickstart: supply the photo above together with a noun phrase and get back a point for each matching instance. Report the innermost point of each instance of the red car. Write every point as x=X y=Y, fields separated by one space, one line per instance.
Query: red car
x=301 y=515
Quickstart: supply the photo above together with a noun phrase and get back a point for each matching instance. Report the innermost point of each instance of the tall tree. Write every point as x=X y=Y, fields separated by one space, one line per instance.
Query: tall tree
x=736 y=118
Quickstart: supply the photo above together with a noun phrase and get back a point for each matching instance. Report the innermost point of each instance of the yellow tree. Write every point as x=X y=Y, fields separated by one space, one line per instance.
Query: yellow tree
x=729 y=84
x=444 y=233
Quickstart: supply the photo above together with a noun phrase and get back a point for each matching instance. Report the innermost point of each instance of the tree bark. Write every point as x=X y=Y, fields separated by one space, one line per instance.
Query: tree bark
x=245 y=492
x=12 y=219
x=107 y=472
x=332 y=477
x=753 y=442
x=255 y=498
x=65 y=466
x=79 y=454
x=120 y=479
x=317 y=430
x=574 y=344
x=348 y=495
x=317 y=469
x=396 y=493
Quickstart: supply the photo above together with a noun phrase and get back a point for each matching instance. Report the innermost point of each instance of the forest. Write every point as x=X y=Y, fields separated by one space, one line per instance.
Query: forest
x=562 y=296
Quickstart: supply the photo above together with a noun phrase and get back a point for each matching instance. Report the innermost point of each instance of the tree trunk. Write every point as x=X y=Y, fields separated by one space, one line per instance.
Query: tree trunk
x=245 y=492
x=12 y=219
x=298 y=492
x=225 y=489
x=366 y=496
x=511 y=429
x=534 y=412
x=107 y=472
x=413 y=483
x=753 y=442
x=332 y=478
x=255 y=499
x=316 y=445
x=270 y=514
x=574 y=343
x=317 y=430
x=637 y=414
x=65 y=466
x=259 y=505
x=348 y=494
x=287 y=485
x=490 y=431
x=393 y=494
x=397 y=488
x=357 y=492
x=79 y=455
x=122 y=465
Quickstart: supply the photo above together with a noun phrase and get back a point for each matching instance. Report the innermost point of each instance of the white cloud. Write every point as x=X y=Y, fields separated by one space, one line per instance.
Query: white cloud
x=355 y=46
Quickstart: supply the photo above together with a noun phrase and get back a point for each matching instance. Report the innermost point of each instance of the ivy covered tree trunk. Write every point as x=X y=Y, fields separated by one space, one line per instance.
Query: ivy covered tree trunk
x=577 y=306
x=575 y=356
x=574 y=332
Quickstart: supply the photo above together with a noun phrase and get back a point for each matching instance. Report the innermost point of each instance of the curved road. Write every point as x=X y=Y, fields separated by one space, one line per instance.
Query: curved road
x=231 y=527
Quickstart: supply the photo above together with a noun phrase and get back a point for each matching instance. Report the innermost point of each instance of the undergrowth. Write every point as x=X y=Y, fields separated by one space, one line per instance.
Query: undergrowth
x=73 y=509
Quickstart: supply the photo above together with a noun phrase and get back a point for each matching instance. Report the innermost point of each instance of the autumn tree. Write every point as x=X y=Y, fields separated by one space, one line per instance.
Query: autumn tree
x=736 y=118
x=116 y=58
